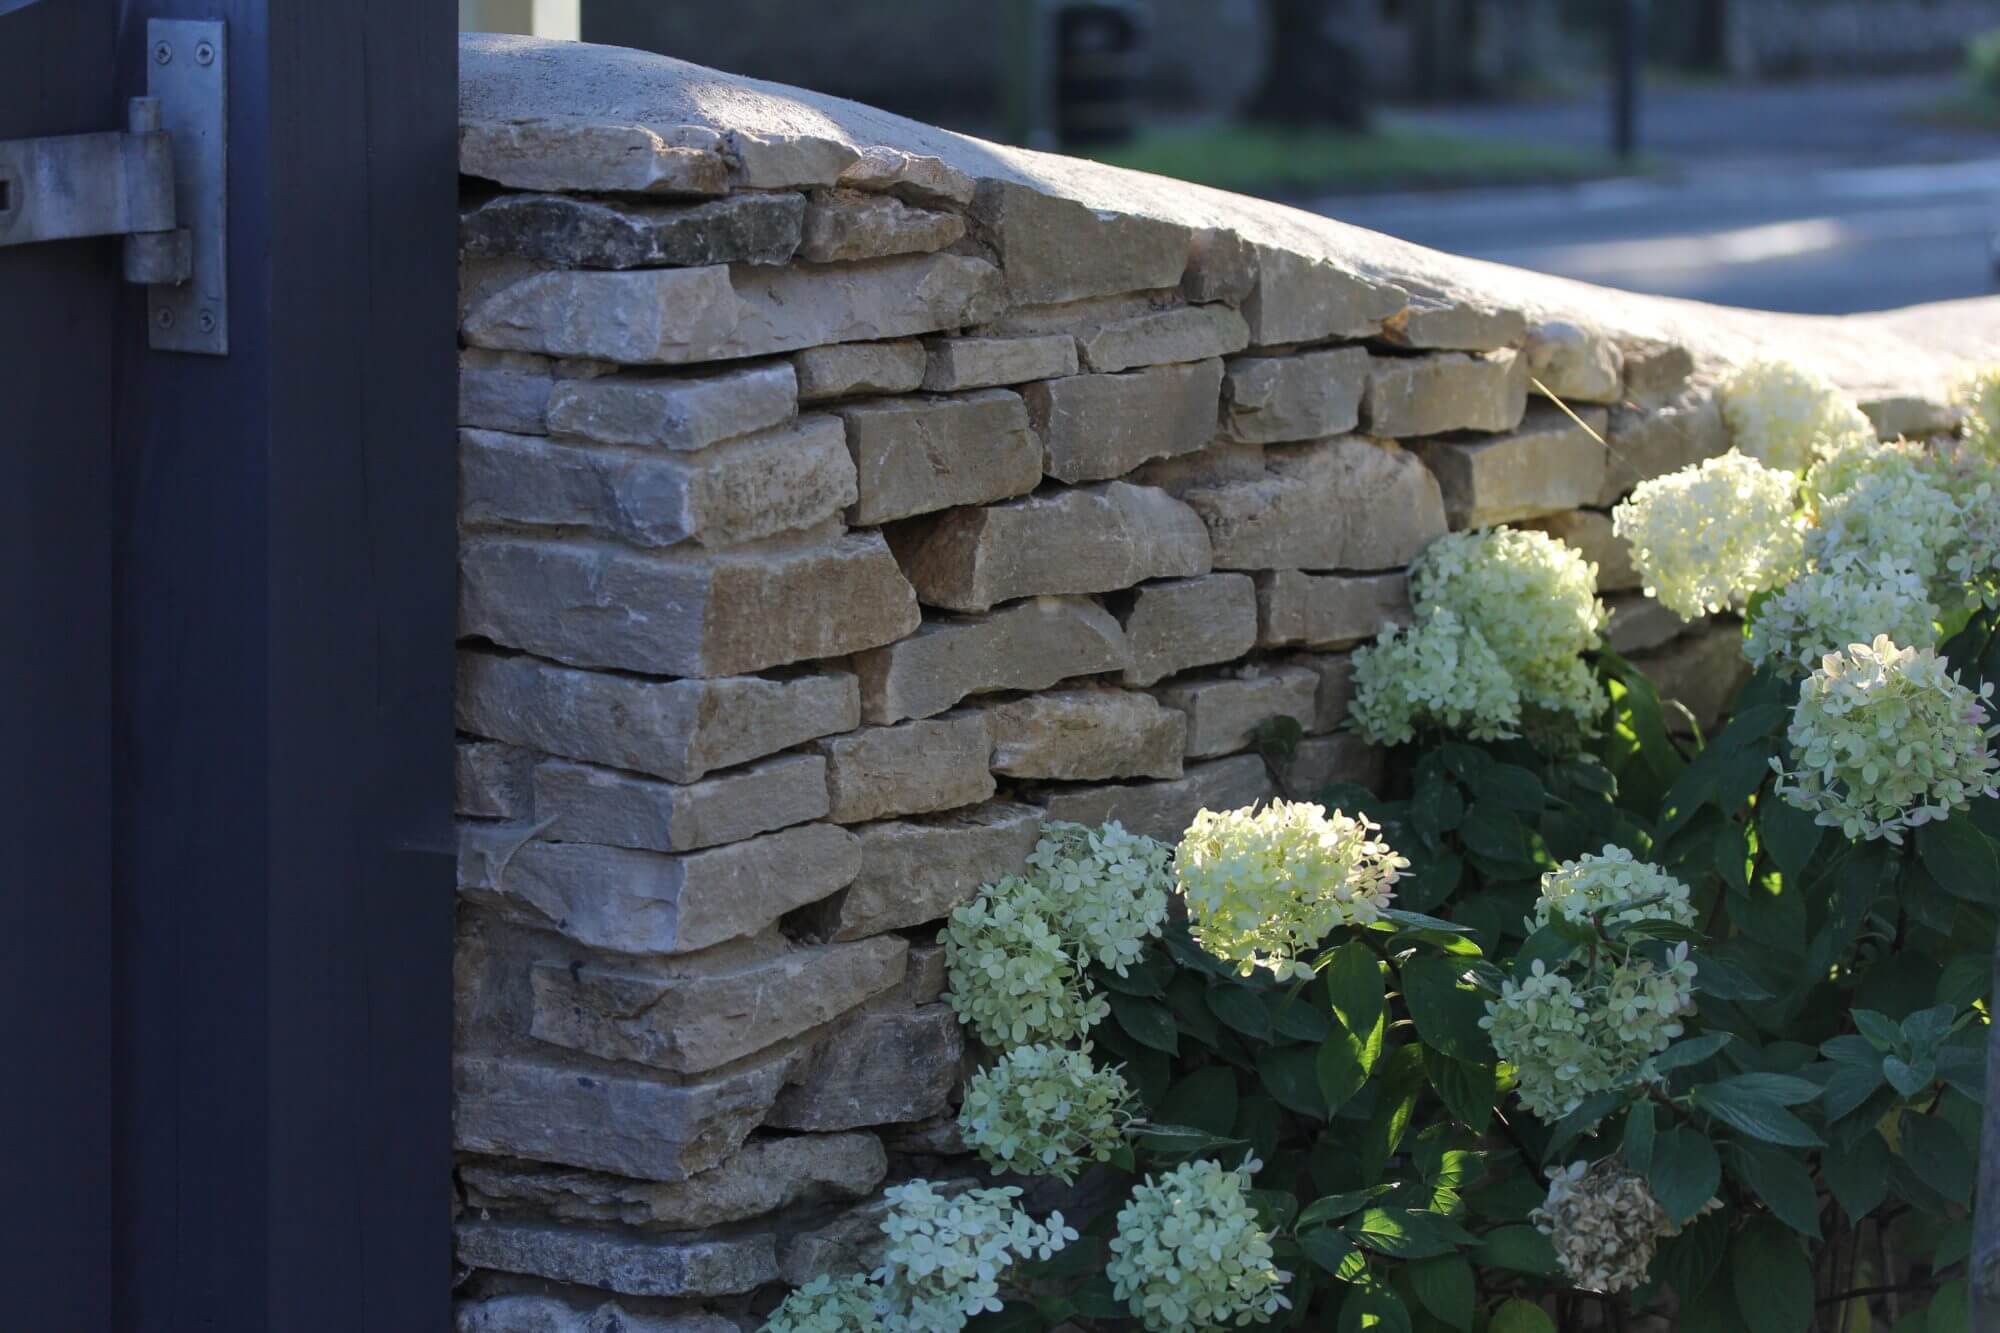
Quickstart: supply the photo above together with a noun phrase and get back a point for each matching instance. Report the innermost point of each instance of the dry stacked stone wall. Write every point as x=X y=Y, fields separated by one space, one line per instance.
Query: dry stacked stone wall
x=833 y=519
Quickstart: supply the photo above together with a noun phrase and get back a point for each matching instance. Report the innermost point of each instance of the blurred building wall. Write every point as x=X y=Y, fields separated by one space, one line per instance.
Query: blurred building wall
x=1789 y=37
x=534 y=18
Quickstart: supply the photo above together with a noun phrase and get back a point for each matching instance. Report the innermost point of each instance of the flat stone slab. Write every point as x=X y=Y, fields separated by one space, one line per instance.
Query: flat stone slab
x=681 y=412
x=915 y=871
x=1163 y=810
x=1444 y=391
x=1055 y=249
x=1082 y=539
x=1590 y=534
x=1224 y=711
x=1575 y=364
x=1430 y=324
x=519 y=1312
x=1161 y=337
x=1081 y=735
x=1095 y=427
x=1300 y=299
x=1550 y=464
x=492 y=780
x=1328 y=610
x=601 y=233
x=845 y=225
x=1174 y=624
x=880 y=1069
x=597 y=605
x=677 y=729
x=978 y=362
x=1027 y=646
x=1323 y=760
x=1638 y=623
x=1307 y=396
x=505 y=390
x=571 y=155
x=616 y=809
x=1345 y=503
x=910 y=768
x=1654 y=441
x=847 y=369
x=629 y=1265
x=1335 y=690
x=921 y=454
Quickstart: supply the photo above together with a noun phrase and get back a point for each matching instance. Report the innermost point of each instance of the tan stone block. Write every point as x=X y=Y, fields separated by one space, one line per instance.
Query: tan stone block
x=612 y=1261
x=1180 y=623
x=1590 y=534
x=1702 y=671
x=634 y=902
x=677 y=729
x=1394 y=507
x=693 y=1022
x=1056 y=249
x=1084 y=539
x=1322 y=760
x=977 y=363
x=880 y=1069
x=795 y=477
x=1328 y=610
x=1434 y=324
x=617 y=809
x=1028 y=646
x=504 y=391
x=915 y=871
x=682 y=412
x=1345 y=503
x=772 y=160
x=1654 y=369
x=1655 y=441
x=1638 y=624
x=674 y=613
x=1222 y=266
x=1163 y=810
x=925 y=453
x=492 y=780
x=849 y=224
x=1550 y=464
x=1307 y=396
x=1160 y=337
x=1574 y=364
x=562 y=155
x=1301 y=300
x=1335 y=691
x=1094 y=427
x=1080 y=735
x=844 y=370
x=914 y=176
x=1218 y=464
x=1223 y=712
x=1445 y=391
x=603 y=233
x=909 y=768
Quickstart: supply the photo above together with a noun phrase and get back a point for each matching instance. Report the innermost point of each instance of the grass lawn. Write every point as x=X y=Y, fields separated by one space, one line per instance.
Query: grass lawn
x=1255 y=159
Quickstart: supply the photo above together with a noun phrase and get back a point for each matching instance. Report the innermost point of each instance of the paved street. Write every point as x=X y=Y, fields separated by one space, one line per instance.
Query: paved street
x=1817 y=197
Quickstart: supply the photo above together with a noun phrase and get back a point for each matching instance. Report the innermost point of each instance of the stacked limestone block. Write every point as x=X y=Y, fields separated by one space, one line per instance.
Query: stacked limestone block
x=833 y=519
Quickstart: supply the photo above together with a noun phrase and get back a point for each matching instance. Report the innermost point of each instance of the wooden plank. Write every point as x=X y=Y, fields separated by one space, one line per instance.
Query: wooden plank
x=56 y=1018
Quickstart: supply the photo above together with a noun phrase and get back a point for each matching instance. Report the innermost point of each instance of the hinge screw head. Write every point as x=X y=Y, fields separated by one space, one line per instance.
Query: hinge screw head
x=163 y=53
x=206 y=319
x=204 y=53
x=164 y=317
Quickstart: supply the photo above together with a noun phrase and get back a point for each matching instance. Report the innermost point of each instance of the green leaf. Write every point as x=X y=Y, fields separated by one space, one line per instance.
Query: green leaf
x=1495 y=833
x=1402 y=1079
x=1909 y=1078
x=1333 y=1207
x=1960 y=858
x=1096 y=1299
x=1689 y=1261
x=1951 y=1309
x=1373 y=1309
x=1014 y=1317
x=1732 y=857
x=1858 y=1175
x=1468 y=1091
x=1580 y=1121
x=1403 y=1233
x=1685 y=1173
x=1518 y=1248
x=1783 y=1182
x=1261 y=1122
x=1784 y=1089
x=1690 y=1052
x=1354 y=986
x=1756 y=1115
x=1772 y=1278
x=1725 y=980
x=1205 y=1099
x=1637 y=1149
x=1238 y=1007
x=1419 y=921
x=1447 y=1013
x=1789 y=835
x=1275 y=1208
x=1511 y=787
x=1435 y=805
x=1147 y=1023
x=1883 y=1032
x=1327 y=1247
x=1288 y=1075
x=1938 y=1156
x=1445 y=1287
x=1342 y=1064
x=1296 y=1014
x=1519 y=1316
x=1182 y=1140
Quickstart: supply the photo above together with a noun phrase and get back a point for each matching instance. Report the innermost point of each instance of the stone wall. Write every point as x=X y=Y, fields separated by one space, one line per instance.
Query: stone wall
x=840 y=502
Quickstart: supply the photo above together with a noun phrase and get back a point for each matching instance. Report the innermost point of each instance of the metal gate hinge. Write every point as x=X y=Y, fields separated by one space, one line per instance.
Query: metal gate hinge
x=160 y=184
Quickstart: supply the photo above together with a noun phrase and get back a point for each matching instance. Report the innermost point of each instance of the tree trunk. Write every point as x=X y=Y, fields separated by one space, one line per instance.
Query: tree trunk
x=1313 y=70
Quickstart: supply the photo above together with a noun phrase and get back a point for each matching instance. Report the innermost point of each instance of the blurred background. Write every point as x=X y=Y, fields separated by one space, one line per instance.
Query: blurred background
x=1822 y=156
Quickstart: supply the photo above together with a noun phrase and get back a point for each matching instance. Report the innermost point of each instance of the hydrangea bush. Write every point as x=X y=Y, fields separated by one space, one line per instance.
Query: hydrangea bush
x=1578 y=1023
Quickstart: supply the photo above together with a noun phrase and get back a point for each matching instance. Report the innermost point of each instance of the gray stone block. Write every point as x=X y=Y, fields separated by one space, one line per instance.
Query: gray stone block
x=1095 y=427
x=1027 y=646
x=601 y=233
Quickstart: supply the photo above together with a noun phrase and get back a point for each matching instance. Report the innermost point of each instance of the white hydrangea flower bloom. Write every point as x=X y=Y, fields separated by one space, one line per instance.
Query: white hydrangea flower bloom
x=1980 y=396
x=1438 y=672
x=824 y=1305
x=1013 y=978
x=1533 y=598
x=1604 y=1224
x=1561 y=703
x=1569 y=1037
x=1972 y=563
x=1614 y=887
x=1108 y=889
x=1786 y=417
x=945 y=1253
x=1886 y=739
x=1264 y=886
x=1709 y=537
x=1850 y=602
x=1045 y=1111
x=1892 y=512
x=1189 y=1254
x=1853 y=460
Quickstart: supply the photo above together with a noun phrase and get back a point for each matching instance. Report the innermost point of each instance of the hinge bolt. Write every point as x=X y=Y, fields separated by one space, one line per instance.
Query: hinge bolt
x=206 y=319
x=164 y=317
x=204 y=53
x=163 y=53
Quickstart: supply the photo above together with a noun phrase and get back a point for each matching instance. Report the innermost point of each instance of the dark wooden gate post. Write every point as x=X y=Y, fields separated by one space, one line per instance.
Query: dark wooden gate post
x=231 y=588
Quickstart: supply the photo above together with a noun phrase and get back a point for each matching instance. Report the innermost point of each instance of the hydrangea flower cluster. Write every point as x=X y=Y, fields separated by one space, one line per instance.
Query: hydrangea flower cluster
x=1604 y=1224
x=1886 y=739
x=1502 y=620
x=1980 y=396
x=1710 y=537
x=1786 y=417
x=1108 y=887
x=1043 y=1110
x=1017 y=956
x=945 y=1254
x=1614 y=888
x=1438 y=672
x=1892 y=512
x=1189 y=1254
x=1264 y=886
x=825 y=1305
x=1849 y=602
